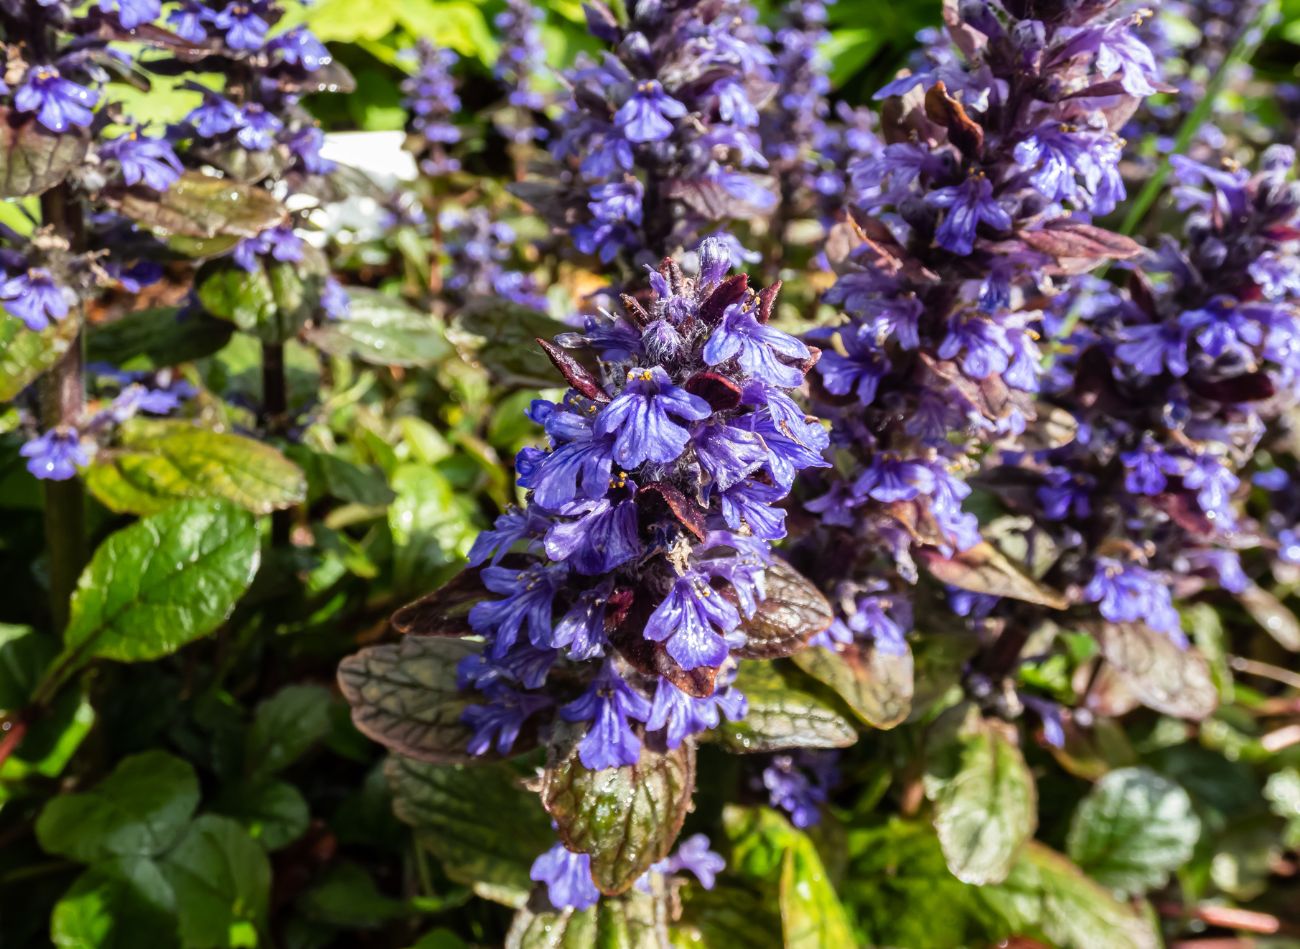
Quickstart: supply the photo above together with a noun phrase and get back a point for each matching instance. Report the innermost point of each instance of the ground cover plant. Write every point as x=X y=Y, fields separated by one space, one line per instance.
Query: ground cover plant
x=649 y=474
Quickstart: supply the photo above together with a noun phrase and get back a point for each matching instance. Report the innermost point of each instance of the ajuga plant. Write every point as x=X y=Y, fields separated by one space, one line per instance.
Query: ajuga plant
x=610 y=611
x=657 y=144
x=1169 y=385
x=976 y=207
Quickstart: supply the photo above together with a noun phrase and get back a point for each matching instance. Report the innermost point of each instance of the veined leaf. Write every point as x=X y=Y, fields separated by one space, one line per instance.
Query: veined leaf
x=1132 y=830
x=627 y=818
x=163 y=582
x=875 y=683
x=404 y=695
x=163 y=461
x=985 y=803
x=477 y=820
x=25 y=355
x=784 y=713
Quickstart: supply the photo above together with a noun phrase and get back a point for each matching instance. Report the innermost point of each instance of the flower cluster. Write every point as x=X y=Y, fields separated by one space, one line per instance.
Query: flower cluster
x=432 y=103
x=975 y=203
x=649 y=520
x=1192 y=40
x=479 y=247
x=658 y=141
x=1171 y=382
x=518 y=68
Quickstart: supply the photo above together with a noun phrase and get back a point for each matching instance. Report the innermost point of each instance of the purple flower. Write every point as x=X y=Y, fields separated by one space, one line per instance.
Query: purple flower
x=1065 y=492
x=307 y=143
x=985 y=344
x=1116 y=50
x=187 y=21
x=34 y=298
x=142 y=159
x=756 y=347
x=132 y=13
x=1151 y=348
x=581 y=631
x=1214 y=484
x=1128 y=593
x=858 y=372
x=567 y=876
x=728 y=454
x=752 y=505
x=681 y=715
x=604 y=537
x=608 y=704
x=528 y=597
x=694 y=856
x=889 y=478
x=644 y=117
x=216 y=116
x=640 y=418
x=1147 y=467
x=56 y=455
x=257 y=128
x=499 y=720
x=792 y=789
x=244 y=29
x=300 y=47
x=59 y=104
x=334 y=300
x=968 y=205
x=692 y=620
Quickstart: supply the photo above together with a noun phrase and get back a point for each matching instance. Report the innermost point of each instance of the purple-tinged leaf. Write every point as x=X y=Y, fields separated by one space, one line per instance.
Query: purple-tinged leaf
x=574 y=372
x=793 y=611
x=1163 y=675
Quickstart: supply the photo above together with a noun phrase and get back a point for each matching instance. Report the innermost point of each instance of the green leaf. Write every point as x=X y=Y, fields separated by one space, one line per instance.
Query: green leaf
x=1282 y=790
x=1132 y=830
x=286 y=726
x=383 y=330
x=627 y=818
x=726 y=917
x=161 y=462
x=273 y=300
x=876 y=684
x=634 y=920
x=429 y=522
x=111 y=904
x=404 y=695
x=329 y=475
x=503 y=336
x=985 y=803
x=24 y=657
x=138 y=810
x=1046 y=894
x=1164 y=676
x=222 y=881
x=478 y=821
x=200 y=206
x=811 y=913
x=783 y=713
x=348 y=897
x=32 y=159
x=25 y=355
x=156 y=338
x=163 y=582
x=273 y=812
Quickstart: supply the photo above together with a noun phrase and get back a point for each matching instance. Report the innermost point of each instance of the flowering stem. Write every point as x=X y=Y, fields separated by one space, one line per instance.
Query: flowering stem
x=62 y=398
x=275 y=410
x=1242 y=51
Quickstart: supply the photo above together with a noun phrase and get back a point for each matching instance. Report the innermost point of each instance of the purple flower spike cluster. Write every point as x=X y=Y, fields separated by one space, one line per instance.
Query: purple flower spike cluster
x=976 y=202
x=521 y=62
x=433 y=104
x=659 y=140
x=479 y=247
x=643 y=546
x=1171 y=382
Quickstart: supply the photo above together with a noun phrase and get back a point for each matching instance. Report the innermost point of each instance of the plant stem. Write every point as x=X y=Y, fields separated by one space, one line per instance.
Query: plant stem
x=275 y=411
x=62 y=399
